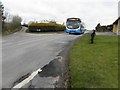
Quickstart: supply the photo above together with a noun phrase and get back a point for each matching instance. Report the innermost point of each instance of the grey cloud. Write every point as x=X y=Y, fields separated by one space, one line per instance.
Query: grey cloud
x=90 y=11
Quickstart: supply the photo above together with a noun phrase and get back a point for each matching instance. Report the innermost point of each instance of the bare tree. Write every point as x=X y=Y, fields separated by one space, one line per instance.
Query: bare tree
x=16 y=21
x=14 y=24
x=1 y=8
x=2 y=18
x=8 y=16
x=52 y=21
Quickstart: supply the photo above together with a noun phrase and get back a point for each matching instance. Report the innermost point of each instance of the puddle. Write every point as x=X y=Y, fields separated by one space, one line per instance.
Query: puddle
x=42 y=82
x=48 y=77
x=52 y=69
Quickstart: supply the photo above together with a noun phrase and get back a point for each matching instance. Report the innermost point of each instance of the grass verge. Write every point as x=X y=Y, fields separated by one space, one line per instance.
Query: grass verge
x=10 y=31
x=94 y=65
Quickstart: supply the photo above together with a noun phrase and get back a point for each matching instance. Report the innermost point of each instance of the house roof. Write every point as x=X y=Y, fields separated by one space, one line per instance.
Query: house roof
x=116 y=21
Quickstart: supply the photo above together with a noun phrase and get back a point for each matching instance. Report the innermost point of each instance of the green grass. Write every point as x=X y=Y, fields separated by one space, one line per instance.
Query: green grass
x=94 y=65
x=8 y=33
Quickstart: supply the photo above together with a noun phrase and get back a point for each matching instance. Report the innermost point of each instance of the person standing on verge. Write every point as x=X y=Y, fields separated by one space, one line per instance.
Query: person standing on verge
x=92 y=37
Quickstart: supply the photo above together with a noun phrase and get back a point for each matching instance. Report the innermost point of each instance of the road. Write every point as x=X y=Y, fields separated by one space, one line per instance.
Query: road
x=23 y=53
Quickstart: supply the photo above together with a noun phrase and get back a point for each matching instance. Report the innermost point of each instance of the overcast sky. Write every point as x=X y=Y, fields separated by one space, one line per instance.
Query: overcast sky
x=91 y=12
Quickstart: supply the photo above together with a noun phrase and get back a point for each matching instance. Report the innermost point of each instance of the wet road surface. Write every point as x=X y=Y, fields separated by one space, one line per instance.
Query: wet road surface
x=23 y=53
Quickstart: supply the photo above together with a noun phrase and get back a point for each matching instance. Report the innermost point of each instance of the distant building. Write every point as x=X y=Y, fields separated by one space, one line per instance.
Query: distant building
x=116 y=26
x=105 y=28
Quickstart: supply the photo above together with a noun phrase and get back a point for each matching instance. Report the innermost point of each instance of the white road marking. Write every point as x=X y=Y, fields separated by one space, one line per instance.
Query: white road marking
x=27 y=80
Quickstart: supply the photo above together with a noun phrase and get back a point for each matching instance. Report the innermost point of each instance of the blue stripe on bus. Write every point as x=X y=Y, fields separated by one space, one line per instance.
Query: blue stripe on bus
x=73 y=31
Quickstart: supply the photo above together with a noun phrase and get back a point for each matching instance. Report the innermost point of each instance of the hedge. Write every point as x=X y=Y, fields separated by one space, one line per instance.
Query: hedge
x=46 y=27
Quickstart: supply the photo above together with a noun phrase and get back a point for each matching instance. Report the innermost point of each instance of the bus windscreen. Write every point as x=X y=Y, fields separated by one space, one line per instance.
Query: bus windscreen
x=73 y=24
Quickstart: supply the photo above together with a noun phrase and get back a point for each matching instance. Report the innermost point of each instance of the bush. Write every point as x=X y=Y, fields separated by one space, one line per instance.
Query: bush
x=16 y=22
x=46 y=27
x=13 y=26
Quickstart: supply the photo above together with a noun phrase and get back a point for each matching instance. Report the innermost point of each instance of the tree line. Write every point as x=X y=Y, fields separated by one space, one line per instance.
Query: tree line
x=10 y=23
